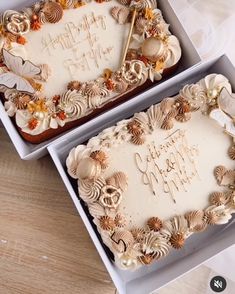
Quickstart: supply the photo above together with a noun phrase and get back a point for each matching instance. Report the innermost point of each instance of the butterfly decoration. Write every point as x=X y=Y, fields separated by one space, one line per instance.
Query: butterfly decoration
x=20 y=73
x=225 y=113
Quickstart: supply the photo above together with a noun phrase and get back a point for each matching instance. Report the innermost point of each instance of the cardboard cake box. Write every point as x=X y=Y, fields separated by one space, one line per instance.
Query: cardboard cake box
x=199 y=247
x=189 y=58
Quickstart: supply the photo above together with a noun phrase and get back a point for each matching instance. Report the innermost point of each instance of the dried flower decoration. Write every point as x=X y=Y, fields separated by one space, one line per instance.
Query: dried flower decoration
x=79 y=4
x=101 y=157
x=21 y=40
x=33 y=123
x=66 y=4
x=132 y=54
x=110 y=84
x=143 y=59
x=61 y=115
x=106 y=223
x=154 y=223
x=107 y=74
x=149 y=14
x=56 y=99
x=141 y=24
x=35 y=25
x=37 y=106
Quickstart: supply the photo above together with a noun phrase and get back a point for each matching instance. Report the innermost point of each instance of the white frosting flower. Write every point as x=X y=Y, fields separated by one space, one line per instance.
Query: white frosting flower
x=10 y=108
x=74 y=158
x=174 y=51
x=136 y=41
x=213 y=84
x=44 y=122
x=218 y=215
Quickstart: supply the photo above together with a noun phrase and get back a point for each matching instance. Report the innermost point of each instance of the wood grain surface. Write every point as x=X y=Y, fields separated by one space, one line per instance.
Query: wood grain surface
x=44 y=246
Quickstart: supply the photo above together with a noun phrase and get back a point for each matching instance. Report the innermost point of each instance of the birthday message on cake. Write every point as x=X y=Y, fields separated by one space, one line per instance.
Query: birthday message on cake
x=169 y=167
x=82 y=39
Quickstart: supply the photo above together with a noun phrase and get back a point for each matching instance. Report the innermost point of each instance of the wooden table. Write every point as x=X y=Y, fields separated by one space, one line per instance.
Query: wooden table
x=44 y=246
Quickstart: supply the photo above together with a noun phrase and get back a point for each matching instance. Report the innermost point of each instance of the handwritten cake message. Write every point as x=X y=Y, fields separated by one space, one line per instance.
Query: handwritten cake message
x=169 y=167
x=82 y=40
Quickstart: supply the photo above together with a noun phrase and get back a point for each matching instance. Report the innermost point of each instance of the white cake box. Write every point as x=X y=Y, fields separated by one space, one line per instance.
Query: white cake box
x=199 y=247
x=190 y=57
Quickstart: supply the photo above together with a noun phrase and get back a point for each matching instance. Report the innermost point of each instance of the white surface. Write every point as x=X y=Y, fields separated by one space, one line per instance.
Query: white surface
x=210 y=24
x=29 y=151
x=224 y=263
x=199 y=247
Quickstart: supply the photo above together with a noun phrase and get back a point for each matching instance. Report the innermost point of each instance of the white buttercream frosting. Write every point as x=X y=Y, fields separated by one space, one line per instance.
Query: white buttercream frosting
x=155 y=221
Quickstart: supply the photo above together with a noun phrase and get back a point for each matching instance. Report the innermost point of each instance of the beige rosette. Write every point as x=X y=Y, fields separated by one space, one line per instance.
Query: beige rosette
x=213 y=84
x=74 y=158
x=72 y=103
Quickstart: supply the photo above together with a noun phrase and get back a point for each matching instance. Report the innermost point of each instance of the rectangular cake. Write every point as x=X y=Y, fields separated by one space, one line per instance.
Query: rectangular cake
x=65 y=61
x=152 y=181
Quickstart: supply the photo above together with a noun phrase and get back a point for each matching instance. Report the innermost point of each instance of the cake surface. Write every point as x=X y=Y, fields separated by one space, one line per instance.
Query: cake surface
x=63 y=60
x=153 y=180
